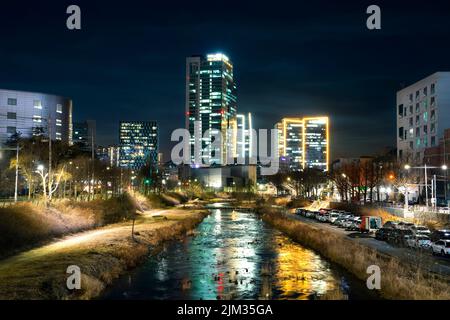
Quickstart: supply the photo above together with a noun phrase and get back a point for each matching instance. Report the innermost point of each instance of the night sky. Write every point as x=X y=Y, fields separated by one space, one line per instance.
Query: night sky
x=290 y=58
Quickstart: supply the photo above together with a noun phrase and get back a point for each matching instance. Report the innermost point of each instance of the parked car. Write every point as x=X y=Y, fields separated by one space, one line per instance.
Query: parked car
x=441 y=247
x=382 y=234
x=405 y=225
x=310 y=214
x=300 y=211
x=333 y=216
x=440 y=235
x=338 y=221
x=347 y=222
x=419 y=241
x=421 y=230
x=355 y=224
x=399 y=237
x=390 y=225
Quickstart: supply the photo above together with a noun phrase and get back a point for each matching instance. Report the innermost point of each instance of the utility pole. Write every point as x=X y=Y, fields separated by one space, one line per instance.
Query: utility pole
x=426 y=187
x=49 y=125
x=17 y=172
x=93 y=164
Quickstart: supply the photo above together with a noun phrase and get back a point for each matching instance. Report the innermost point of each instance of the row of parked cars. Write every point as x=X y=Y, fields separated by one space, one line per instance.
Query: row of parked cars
x=343 y=219
x=405 y=234
x=401 y=234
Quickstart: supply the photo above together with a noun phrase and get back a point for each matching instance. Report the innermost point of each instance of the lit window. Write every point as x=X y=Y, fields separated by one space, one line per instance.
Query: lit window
x=59 y=108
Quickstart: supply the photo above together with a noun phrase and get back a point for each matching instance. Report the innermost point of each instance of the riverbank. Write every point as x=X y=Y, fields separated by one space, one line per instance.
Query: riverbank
x=28 y=225
x=399 y=280
x=101 y=254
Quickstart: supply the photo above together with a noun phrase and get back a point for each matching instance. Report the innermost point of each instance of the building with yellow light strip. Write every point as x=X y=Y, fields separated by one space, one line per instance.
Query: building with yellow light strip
x=304 y=142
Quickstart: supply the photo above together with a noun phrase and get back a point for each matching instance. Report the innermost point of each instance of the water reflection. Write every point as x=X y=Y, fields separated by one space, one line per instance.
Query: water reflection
x=233 y=256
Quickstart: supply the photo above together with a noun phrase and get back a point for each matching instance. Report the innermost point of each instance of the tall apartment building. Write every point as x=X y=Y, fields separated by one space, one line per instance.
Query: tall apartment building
x=138 y=144
x=211 y=100
x=305 y=142
x=84 y=134
x=423 y=113
x=33 y=113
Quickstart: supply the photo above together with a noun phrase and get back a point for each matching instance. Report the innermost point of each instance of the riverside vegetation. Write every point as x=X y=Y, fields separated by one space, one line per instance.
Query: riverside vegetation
x=103 y=252
x=399 y=280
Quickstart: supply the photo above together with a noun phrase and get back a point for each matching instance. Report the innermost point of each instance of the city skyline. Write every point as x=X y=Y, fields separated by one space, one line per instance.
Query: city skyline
x=286 y=72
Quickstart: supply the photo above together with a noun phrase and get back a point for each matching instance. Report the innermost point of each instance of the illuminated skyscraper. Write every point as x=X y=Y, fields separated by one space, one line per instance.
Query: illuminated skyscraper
x=304 y=141
x=211 y=100
x=290 y=141
x=138 y=144
x=244 y=139
x=316 y=143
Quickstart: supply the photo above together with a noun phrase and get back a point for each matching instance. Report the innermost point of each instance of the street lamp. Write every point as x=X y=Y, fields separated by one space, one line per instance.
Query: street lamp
x=425 y=167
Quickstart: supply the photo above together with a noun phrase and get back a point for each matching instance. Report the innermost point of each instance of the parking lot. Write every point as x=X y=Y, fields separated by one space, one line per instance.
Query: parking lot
x=420 y=257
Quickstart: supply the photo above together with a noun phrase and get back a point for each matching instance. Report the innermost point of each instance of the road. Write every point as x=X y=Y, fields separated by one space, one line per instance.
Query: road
x=440 y=265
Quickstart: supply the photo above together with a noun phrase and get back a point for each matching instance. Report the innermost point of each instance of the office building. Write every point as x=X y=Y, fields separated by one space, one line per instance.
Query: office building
x=109 y=155
x=304 y=142
x=211 y=102
x=84 y=134
x=244 y=138
x=138 y=144
x=422 y=116
x=32 y=114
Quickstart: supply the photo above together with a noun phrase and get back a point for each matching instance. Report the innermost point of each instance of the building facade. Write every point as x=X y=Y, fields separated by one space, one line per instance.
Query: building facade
x=138 y=144
x=84 y=134
x=211 y=104
x=244 y=138
x=32 y=114
x=109 y=155
x=304 y=142
x=422 y=116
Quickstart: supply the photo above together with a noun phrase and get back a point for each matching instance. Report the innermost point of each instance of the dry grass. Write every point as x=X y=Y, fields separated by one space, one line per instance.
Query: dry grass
x=399 y=280
x=27 y=225
x=101 y=254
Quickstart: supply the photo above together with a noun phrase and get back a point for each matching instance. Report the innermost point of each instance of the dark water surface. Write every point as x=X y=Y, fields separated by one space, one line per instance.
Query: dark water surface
x=235 y=255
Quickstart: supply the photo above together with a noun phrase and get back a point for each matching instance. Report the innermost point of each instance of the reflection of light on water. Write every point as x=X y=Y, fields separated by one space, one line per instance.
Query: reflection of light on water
x=300 y=272
x=161 y=270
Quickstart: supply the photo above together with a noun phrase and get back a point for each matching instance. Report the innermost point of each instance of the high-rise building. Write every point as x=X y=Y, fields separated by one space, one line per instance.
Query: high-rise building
x=290 y=141
x=138 y=144
x=211 y=100
x=32 y=113
x=109 y=155
x=304 y=142
x=84 y=134
x=422 y=116
x=244 y=138
x=315 y=143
